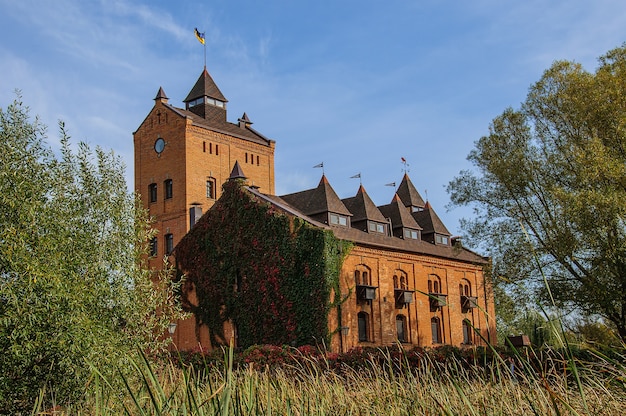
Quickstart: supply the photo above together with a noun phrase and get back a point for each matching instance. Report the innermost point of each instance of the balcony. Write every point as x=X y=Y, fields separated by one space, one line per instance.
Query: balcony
x=468 y=303
x=403 y=297
x=366 y=293
x=437 y=300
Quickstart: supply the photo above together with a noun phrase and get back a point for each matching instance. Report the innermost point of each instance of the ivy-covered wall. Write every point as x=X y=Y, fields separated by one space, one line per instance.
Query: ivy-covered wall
x=270 y=273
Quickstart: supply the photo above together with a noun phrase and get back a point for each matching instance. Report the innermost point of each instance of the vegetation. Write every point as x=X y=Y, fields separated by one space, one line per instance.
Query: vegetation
x=74 y=293
x=549 y=191
x=445 y=381
x=269 y=273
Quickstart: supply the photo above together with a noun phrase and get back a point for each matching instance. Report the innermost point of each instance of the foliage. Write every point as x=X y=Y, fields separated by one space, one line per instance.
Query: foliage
x=73 y=291
x=549 y=189
x=388 y=381
x=269 y=273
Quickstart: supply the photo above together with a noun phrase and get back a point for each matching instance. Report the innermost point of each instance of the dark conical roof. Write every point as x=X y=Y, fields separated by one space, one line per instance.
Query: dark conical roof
x=205 y=86
x=430 y=221
x=317 y=200
x=408 y=194
x=161 y=95
x=237 y=172
x=362 y=207
x=399 y=215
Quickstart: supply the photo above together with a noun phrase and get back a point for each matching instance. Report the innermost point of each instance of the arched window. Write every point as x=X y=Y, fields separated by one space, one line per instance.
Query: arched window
x=400 y=280
x=435 y=327
x=362 y=275
x=210 y=188
x=465 y=288
x=364 y=328
x=401 y=328
x=467 y=332
x=434 y=284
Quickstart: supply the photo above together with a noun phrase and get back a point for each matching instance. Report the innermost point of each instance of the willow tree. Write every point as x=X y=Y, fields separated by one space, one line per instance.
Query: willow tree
x=549 y=188
x=74 y=293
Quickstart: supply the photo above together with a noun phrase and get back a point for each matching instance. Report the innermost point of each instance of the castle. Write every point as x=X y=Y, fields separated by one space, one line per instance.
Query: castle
x=404 y=278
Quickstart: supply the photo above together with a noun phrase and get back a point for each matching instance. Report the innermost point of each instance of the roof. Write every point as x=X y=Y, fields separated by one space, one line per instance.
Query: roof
x=317 y=200
x=399 y=214
x=430 y=221
x=219 y=125
x=363 y=208
x=205 y=86
x=408 y=194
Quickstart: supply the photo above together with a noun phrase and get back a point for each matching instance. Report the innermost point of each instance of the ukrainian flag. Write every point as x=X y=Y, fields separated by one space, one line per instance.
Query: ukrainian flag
x=199 y=36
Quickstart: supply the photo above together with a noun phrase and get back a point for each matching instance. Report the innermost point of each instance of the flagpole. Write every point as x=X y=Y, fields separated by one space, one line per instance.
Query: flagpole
x=204 y=44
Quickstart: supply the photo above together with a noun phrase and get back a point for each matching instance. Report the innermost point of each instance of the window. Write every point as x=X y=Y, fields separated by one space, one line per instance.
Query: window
x=152 y=192
x=217 y=150
x=401 y=328
x=363 y=327
x=362 y=275
x=246 y=157
x=168 y=188
x=467 y=332
x=411 y=234
x=377 y=227
x=434 y=284
x=169 y=244
x=210 y=188
x=257 y=161
x=435 y=326
x=337 y=219
x=441 y=239
x=154 y=248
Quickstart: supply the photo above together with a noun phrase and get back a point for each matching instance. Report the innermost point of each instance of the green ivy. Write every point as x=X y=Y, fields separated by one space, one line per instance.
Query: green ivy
x=271 y=273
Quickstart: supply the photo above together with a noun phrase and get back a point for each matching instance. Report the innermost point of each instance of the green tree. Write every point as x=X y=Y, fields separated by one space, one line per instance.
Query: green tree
x=549 y=189
x=74 y=289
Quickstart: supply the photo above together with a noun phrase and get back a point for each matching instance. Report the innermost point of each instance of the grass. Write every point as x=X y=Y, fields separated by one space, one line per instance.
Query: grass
x=543 y=385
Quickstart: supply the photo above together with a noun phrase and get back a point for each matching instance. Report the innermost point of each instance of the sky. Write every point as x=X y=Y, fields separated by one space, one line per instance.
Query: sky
x=356 y=85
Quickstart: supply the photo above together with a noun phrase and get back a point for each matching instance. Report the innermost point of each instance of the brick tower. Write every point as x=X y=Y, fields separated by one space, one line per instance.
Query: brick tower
x=182 y=158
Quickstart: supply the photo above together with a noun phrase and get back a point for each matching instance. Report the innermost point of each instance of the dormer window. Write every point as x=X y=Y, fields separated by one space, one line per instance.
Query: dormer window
x=336 y=219
x=376 y=227
x=410 y=234
x=442 y=239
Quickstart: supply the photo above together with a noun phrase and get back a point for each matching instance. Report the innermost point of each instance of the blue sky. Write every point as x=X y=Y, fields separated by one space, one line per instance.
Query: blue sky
x=354 y=84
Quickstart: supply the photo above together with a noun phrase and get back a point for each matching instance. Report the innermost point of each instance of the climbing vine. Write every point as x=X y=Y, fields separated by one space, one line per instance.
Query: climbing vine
x=270 y=273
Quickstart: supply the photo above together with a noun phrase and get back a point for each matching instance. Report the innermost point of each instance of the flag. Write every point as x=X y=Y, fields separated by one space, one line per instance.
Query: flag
x=320 y=165
x=391 y=184
x=199 y=36
x=358 y=175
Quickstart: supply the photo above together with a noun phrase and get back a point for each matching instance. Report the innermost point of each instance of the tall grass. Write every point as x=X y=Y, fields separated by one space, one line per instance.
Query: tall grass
x=539 y=385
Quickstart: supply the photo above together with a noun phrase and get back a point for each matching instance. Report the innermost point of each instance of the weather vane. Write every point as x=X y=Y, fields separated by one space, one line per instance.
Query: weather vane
x=405 y=166
x=320 y=165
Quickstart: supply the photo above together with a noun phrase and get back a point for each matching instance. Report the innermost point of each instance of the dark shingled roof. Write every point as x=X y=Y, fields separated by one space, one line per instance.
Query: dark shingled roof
x=317 y=200
x=399 y=214
x=217 y=124
x=161 y=95
x=408 y=194
x=363 y=208
x=205 y=86
x=430 y=221
x=237 y=172
x=378 y=240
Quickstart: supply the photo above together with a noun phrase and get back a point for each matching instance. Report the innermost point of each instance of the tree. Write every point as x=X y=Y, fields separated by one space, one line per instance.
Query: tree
x=74 y=291
x=549 y=189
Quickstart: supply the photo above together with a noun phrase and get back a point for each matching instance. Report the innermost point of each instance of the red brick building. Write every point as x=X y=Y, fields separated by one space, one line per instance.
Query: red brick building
x=405 y=279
